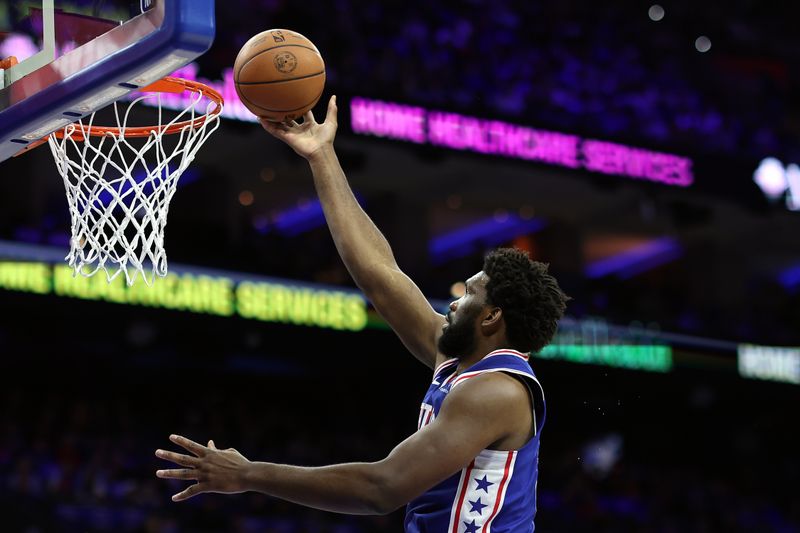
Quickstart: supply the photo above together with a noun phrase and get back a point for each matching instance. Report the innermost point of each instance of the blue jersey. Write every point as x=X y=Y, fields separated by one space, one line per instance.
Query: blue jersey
x=496 y=492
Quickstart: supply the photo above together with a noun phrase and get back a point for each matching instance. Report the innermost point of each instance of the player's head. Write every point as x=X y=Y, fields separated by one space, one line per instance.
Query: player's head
x=512 y=288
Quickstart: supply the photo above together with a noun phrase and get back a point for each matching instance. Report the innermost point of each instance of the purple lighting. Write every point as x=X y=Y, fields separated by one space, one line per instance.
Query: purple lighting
x=395 y=121
x=494 y=137
x=294 y=221
x=611 y=158
x=488 y=232
x=637 y=260
x=774 y=179
x=460 y=132
x=300 y=219
x=790 y=277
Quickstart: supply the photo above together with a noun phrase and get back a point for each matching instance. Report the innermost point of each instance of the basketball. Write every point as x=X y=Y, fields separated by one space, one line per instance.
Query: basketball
x=279 y=75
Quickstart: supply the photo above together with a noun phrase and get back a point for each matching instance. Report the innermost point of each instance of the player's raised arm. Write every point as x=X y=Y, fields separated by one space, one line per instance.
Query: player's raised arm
x=361 y=245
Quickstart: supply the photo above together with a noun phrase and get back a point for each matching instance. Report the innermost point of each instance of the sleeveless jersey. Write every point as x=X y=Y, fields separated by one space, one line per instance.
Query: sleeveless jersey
x=496 y=492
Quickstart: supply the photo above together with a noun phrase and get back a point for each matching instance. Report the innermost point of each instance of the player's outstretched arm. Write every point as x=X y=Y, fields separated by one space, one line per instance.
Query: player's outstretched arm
x=478 y=413
x=361 y=245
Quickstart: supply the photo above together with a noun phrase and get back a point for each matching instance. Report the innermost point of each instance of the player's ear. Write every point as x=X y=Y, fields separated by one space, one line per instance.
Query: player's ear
x=492 y=316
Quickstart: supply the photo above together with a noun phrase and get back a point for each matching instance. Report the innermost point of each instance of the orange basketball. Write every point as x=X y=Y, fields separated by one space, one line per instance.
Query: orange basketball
x=279 y=74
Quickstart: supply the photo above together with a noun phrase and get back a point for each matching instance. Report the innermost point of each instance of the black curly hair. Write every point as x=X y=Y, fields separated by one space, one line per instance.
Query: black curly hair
x=531 y=300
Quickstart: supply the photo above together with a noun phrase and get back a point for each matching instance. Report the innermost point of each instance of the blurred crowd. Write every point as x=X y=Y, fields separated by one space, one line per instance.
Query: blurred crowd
x=77 y=461
x=78 y=456
x=606 y=70
x=680 y=300
x=591 y=69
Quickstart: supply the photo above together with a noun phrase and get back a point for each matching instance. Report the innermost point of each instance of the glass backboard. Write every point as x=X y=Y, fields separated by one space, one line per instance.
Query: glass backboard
x=76 y=56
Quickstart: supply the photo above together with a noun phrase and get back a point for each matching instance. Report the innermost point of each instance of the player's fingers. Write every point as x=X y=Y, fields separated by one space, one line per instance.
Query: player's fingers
x=211 y=445
x=178 y=458
x=308 y=117
x=332 y=110
x=178 y=473
x=275 y=128
x=197 y=449
x=191 y=490
x=268 y=122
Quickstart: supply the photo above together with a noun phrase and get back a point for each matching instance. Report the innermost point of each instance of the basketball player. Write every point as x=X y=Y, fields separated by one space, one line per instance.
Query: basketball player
x=472 y=465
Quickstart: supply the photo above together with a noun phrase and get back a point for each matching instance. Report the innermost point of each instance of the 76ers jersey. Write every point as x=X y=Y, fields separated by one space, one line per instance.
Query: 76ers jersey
x=496 y=492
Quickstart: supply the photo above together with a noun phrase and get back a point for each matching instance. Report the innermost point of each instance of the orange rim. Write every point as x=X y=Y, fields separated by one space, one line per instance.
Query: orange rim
x=8 y=62
x=166 y=85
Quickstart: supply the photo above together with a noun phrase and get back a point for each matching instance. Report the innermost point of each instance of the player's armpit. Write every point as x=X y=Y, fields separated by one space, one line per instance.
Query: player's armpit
x=401 y=303
x=478 y=413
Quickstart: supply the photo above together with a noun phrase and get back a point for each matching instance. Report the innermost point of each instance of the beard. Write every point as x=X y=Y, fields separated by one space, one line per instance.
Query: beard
x=458 y=338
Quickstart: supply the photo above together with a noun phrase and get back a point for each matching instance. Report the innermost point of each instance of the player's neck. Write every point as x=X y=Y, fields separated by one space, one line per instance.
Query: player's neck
x=482 y=348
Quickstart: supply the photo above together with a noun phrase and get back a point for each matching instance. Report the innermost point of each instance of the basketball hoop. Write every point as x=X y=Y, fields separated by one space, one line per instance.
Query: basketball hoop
x=5 y=64
x=8 y=62
x=119 y=191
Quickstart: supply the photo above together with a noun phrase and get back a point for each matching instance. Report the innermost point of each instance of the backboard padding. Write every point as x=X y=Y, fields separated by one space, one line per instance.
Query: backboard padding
x=149 y=46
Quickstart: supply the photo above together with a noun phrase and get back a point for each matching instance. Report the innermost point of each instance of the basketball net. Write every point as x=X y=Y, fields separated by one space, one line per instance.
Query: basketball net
x=120 y=180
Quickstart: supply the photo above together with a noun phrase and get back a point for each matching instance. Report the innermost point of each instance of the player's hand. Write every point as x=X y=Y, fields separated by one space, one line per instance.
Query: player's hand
x=214 y=470
x=309 y=137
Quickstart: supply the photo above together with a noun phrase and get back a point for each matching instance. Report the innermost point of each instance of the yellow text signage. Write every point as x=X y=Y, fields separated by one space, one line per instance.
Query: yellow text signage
x=198 y=293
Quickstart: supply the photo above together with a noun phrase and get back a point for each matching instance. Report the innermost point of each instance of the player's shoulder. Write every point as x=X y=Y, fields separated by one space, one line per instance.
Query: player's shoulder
x=494 y=390
x=505 y=361
x=499 y=381
x=503 y=358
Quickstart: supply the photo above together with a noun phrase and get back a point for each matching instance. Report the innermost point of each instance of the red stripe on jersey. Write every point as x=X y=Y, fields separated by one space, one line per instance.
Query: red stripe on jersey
x=467 y=477
x=428 y=420
x=465 y=376
x=515 y=353
x=450 y=378
x=444 y=364
x=500 y=490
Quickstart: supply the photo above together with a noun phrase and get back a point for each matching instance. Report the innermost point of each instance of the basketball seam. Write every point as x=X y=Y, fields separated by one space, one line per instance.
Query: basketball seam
x=280 y=81
x=278 y=110
x=273 y=48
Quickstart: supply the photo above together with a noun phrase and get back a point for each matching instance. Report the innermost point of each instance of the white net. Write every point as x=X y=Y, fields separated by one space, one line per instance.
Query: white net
x=119 y=189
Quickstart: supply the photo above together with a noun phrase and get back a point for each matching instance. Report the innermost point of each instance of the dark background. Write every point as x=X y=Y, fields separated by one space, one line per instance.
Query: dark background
x=89 y=389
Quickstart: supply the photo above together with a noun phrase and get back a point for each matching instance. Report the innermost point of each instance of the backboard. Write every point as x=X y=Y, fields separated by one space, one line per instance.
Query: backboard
x=77 y=56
